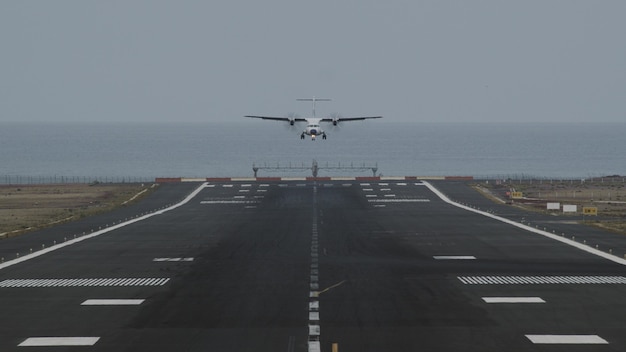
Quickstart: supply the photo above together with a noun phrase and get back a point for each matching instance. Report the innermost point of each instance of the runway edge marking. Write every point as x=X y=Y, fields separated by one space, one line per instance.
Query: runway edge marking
x=100 y=232
x=564 y=240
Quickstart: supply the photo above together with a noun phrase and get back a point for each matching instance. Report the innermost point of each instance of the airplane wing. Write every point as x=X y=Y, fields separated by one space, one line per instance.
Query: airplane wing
x=342 y=119
x=297 y=119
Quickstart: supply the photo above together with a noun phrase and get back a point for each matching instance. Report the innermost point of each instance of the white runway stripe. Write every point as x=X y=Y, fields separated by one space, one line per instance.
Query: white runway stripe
x=187 y=259
x=58 y=341
x=541 y=280
x=454 y=257
x=513 y=300
x=228 y=202
x=104 y=282
x=401 y=200
x=112 y=302
x=567 y=339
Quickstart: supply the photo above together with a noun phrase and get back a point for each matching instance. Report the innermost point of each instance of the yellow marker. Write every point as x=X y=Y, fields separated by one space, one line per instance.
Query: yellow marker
x=517 y=195
x=590 y=210
x=335 y=347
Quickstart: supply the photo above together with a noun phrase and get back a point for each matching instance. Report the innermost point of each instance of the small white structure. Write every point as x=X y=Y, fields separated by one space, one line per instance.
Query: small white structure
x=570 y=208
x=553 y=206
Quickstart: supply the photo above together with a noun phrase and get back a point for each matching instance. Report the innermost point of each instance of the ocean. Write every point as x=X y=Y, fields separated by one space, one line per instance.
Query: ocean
x=84 y=152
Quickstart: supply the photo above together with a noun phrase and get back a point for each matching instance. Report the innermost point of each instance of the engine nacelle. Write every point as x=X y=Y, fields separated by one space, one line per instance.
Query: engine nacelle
x=335 y=122
x=292 y=122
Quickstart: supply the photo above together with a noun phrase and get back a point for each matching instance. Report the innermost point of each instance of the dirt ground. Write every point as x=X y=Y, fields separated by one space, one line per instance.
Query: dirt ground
x=29 y=207
x=607 y=194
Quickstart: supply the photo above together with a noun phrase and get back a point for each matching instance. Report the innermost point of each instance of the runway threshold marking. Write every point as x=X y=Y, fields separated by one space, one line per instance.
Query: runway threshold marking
x=58 y=341
x=567 y=339
x=555 y=237
x=99 y=282
x=542 y=280
x=103 y=231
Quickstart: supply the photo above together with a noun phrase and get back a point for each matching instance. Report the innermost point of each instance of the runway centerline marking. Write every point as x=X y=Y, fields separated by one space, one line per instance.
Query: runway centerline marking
x=314 y=304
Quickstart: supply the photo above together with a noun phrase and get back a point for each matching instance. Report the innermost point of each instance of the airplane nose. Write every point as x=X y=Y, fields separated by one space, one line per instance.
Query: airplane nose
x=313 y=131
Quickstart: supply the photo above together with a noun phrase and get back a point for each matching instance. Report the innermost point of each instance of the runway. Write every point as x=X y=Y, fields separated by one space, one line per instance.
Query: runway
x=308 y=265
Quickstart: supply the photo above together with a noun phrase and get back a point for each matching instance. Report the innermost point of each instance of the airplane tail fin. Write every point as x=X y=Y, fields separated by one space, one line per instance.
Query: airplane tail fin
x=314 y=99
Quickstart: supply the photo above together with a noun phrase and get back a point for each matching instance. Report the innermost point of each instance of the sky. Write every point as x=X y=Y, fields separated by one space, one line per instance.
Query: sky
x=415 y=61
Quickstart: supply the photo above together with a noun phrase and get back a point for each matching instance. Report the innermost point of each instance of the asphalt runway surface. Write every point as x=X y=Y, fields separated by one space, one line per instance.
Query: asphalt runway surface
x=305 y=265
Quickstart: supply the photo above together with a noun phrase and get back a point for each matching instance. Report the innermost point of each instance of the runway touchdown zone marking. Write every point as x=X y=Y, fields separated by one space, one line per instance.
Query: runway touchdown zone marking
x=567 y=339
x=58 y=341
x=513 y=300
x=188 y=259
x=112 y=302
x=454 y=257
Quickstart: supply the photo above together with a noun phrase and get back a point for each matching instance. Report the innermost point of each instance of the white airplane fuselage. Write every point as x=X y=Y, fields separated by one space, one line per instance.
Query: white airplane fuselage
x=313 y=128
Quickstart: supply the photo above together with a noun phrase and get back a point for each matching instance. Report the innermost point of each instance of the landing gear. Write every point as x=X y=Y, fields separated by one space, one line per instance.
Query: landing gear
x=323 y=135
x=302 y=135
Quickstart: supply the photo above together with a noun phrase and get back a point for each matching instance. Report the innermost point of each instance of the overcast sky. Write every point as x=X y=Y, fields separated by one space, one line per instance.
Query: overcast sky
x=422 y=61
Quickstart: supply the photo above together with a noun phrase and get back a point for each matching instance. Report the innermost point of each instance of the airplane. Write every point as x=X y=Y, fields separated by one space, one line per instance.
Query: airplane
x=313 y=127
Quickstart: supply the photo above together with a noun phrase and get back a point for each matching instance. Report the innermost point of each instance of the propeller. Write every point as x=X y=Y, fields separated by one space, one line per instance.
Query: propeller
x=292 y=123
x=335 y=117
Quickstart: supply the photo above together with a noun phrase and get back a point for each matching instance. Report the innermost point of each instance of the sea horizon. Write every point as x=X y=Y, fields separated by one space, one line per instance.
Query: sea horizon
x=133 y=151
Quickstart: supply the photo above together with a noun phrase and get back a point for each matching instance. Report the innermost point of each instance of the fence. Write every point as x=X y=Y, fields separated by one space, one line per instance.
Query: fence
x=34 y=180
